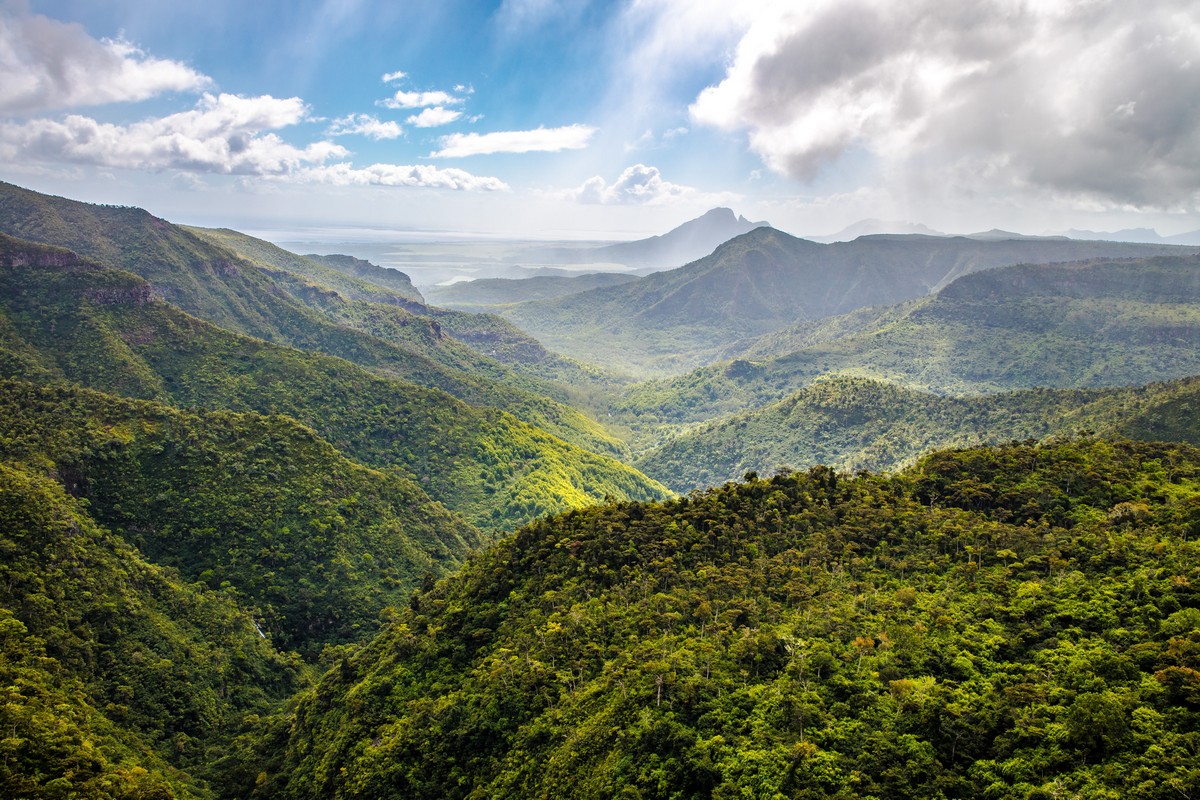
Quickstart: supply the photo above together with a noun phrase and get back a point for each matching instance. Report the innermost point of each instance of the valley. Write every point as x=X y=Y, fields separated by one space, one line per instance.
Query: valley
x=815 y=518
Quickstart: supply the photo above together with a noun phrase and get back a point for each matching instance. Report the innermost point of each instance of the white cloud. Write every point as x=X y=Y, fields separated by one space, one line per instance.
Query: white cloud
x=433 y=117
x=551 y=140
x=390 y=77
x=46 y=64
x=223 y=134
x=399 y=175
x=364 y=125
x=1069 y=99
x=403 y=99
x=637 y=185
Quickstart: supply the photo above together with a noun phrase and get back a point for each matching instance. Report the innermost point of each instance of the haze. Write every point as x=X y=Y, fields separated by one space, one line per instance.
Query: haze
x=590 y=120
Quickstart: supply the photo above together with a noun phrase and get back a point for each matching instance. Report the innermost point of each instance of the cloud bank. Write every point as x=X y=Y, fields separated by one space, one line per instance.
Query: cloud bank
x=545 y=140
x=46 y=65
x=1073 y=99
x=397 y=175
x=223 y=134
x=637 y=185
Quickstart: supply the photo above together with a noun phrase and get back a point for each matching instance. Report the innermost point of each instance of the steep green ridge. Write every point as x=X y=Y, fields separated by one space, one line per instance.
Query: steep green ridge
x=396 y=289
x=323 y=283
x=1094 y=324
x=764 y=280
x=371 y=273
x=487 y=294
x=100 y=328
x=318 y=544
x=289 y=300
x=432 y=347
x=1020 y=622
x=184 y=270
x=115 y=673
x=855 y=423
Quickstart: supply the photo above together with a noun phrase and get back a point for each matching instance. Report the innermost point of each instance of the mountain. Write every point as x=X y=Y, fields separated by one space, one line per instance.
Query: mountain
x=318 y=544
x=1136 y=235
x=1084 y=325
x=992 y=623
x=361 y=268
x=851 y=424
x=62 y=318
x=488 y=293
x=250 y=286
x=872 y=227
x=691 y=240
x=765 y=280
x=351 y=278
x=479 y=358
x=118 y=675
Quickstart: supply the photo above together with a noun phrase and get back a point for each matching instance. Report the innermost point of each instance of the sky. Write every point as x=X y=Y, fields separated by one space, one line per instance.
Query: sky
x=608 y=120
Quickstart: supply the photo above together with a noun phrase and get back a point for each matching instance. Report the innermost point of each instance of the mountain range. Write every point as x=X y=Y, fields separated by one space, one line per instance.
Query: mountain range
x=764 y=280
x=692 y=240
x=275 y=526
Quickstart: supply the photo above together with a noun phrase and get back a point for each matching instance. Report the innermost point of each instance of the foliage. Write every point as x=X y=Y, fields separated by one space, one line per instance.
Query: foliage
x=855 y=423
x=1107 y=323
x=257 y=506
x=100 y=328
x=370 y=273
x=762 y=281
x=1001 y=623
x=112 y=668
x=252 y=287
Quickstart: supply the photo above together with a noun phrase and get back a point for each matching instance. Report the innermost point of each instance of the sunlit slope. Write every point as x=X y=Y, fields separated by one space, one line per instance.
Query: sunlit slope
x=102 y=328
x=478 y=358
x=263 y=291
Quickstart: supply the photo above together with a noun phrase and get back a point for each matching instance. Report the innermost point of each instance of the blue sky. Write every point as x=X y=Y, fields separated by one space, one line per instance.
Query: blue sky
x=609 y=119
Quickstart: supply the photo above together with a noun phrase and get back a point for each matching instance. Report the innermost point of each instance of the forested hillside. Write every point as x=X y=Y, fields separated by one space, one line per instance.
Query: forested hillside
x=102 y=328
x=855 y=423
x=259 y=506
x=994 y=623
x=1092 y=324
x=117 y=674
x=765 y=280
x=248 y=286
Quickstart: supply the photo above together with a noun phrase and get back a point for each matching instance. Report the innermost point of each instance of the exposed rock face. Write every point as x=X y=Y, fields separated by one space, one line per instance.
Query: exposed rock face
x=125 y=296
x=54 y=259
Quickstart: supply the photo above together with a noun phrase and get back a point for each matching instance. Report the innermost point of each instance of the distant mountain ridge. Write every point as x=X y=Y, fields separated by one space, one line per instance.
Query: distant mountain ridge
x=1148 y=235
x=766 y=280
x=872 y=227
x=687 y=242
x=1080 y=325
x=487 y=294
